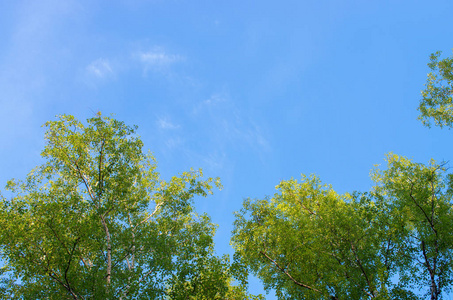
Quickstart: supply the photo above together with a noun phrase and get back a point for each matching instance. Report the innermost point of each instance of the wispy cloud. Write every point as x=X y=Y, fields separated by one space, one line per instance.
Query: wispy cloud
x=174 y=143
x=110 y=67
x=165 y=123
x=210 y=103
x=215 y=160
x=157 y=59
x=230 y=126
x=254 y=136
x=241 y=130
x=100 y=68
x=215 y=98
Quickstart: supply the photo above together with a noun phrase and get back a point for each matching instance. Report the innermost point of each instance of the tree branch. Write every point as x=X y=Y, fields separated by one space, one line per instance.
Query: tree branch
x=289 y=275
x=362 y=269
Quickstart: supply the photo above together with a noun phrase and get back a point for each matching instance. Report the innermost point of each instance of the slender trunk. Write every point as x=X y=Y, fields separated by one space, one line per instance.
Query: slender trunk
x=109 y=252
x=133 y=242
x=433 y=291
x=432 y=273
x=131 y=263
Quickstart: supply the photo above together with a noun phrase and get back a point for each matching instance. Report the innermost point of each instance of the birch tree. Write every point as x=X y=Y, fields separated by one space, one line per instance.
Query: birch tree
x=309 y=242
x=96 y=221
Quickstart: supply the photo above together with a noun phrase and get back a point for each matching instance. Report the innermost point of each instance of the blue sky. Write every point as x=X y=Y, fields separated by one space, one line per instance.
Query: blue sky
x=252 y=92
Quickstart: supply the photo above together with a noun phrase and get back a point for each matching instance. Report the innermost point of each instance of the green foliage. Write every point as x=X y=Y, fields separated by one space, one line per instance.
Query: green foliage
x=308 y=242
x=437 y=100
x=95 y=221
x=420 y=214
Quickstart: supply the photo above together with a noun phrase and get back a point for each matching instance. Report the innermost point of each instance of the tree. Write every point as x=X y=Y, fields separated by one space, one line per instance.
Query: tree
x=419 y=198
x=437 y=100
x=308 y=242
x=95 y=221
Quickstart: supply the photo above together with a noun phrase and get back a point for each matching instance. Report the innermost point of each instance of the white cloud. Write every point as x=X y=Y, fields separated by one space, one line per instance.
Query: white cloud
x=210 y=103
x=157 y=59
x=230 y=126
x=105 y=68
x=164 y=123
x=242 y=130
x=174 y=143
x=215 y=98
x=100 y=68
x=230 y=122
x=215 y=160
x=254 y=136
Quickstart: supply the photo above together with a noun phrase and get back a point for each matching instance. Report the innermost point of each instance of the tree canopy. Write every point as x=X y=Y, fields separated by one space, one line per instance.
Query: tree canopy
x=96 y=221
x=308 y=242
x=394 y=242
x=437 y=100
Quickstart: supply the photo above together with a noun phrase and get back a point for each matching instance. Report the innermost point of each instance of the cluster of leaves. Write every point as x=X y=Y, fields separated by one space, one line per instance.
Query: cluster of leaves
x=437 y=103
x=308 y=242
x=96 y=222
x=395 y=242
